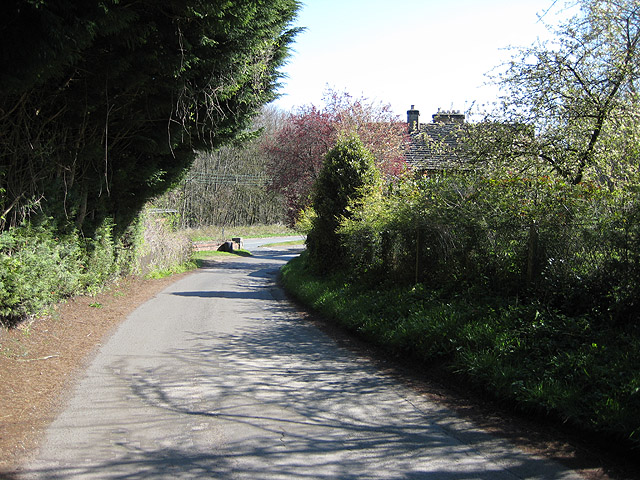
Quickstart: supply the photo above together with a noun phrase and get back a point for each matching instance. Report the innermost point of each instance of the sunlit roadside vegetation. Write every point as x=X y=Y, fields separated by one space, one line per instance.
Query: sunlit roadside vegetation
x=518 y=271
x=38 y=269
x=520 y=352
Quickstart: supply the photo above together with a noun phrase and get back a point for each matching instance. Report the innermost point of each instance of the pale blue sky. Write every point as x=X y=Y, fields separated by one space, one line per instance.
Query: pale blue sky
x=431 y=53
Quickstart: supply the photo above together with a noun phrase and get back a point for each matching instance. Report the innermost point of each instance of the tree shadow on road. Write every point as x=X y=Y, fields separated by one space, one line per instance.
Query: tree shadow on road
x=290 y=405
x=278 y=399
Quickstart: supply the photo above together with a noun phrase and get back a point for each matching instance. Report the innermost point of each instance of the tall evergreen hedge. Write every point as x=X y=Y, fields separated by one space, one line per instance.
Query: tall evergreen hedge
x=103 y=102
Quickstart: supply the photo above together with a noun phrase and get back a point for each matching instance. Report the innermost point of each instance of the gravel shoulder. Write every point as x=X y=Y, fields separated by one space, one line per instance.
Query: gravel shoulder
x=39 y=360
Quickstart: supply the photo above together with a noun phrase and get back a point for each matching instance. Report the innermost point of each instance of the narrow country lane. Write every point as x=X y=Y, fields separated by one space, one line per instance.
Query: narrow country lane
x=218 y=378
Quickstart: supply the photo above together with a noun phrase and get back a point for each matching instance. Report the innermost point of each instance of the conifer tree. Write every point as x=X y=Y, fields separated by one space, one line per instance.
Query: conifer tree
x=348 y=173
x=103 y=102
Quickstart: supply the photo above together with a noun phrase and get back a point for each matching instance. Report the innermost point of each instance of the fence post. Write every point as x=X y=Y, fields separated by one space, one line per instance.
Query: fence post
x=417 y=255
x=532 y=253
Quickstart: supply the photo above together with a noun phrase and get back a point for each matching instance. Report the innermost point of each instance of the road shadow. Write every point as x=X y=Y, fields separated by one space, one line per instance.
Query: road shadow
x=275 y=398
x=218 y=294
x=294 y=406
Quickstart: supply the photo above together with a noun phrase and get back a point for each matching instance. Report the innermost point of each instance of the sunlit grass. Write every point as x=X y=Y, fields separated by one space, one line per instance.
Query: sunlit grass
x=204 y=254
x=219 y=234
x=284 y=244
x=167 y=272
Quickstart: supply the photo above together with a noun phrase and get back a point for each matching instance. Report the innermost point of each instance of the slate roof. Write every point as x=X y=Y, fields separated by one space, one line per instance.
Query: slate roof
x=434 y=146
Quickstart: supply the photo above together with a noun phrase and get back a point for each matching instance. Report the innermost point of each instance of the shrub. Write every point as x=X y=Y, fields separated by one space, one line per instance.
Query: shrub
x=39 y=267
x=304 y=220
x=348 y=173
x=571 y=246
x=163 y=249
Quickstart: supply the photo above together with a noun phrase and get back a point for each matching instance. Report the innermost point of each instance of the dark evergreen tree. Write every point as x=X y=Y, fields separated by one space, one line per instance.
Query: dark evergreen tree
x=103 y=102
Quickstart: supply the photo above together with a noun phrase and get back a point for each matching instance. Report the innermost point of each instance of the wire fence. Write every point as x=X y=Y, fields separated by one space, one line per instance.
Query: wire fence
x=202 y=178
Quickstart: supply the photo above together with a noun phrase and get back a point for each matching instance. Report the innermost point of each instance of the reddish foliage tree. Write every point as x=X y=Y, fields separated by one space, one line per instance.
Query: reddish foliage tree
x=380 y=130
x=296 y=151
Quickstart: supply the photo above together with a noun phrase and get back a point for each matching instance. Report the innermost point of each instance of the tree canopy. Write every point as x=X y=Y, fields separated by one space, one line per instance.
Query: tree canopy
x=103 y=102
x=297 y=149
x=577 y=96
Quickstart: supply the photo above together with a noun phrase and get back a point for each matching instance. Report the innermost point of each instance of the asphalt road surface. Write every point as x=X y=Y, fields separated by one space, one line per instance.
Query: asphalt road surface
x=217 y=377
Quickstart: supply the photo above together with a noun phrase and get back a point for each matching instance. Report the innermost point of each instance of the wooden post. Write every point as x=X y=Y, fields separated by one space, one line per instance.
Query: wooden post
x=417 y=256
x=532 y=254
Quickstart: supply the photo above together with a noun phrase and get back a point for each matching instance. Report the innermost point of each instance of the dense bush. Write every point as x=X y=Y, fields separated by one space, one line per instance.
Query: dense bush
x=35 y=269
x=38 y=268
x=574 y=247
x=348 y=173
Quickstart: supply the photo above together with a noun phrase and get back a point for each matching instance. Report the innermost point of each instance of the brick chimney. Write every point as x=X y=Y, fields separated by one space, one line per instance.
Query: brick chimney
x=413 y=119
x=453 y=116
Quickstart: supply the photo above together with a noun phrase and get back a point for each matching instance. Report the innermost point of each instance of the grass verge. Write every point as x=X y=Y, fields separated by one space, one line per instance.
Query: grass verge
x=199 y=257
x=570 y=369
x=174 y=270
x=220 y=234
x=284 y=244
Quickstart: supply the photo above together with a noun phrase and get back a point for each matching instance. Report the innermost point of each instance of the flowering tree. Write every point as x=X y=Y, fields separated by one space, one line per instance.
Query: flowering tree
x=297 y=150
x=579 y=96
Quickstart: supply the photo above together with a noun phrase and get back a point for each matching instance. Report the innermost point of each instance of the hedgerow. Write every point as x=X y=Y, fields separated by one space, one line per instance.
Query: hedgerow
x=526 y=288
x=40 y=266
x=574 y=247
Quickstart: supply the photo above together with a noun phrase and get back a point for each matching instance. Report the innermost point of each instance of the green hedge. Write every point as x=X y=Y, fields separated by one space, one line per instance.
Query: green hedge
x=576 y=248
x=39 y=267
x=526 y=287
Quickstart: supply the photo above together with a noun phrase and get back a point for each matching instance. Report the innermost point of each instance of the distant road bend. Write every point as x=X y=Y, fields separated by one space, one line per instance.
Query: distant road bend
x=217 y=377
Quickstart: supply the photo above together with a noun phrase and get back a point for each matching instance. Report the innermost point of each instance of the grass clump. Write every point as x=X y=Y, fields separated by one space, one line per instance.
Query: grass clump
x=176 y=269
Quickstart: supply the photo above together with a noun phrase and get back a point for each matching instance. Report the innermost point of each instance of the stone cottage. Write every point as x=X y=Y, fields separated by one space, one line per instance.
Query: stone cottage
x=435 y=145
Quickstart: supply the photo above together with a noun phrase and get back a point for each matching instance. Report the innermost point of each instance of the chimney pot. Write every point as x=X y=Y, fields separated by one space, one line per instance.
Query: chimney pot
x=451 y=116
x=413 y=118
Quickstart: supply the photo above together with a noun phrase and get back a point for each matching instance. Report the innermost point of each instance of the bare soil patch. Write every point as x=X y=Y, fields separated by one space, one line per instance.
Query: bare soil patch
x=41 y=358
